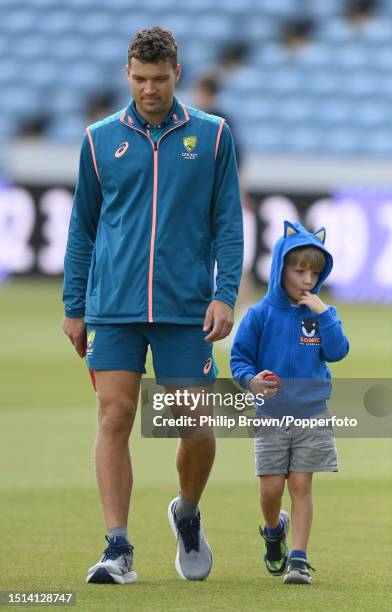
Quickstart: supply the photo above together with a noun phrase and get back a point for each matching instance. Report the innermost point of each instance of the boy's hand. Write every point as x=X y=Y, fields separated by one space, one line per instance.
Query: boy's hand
x=268 y=388
x=313 y=302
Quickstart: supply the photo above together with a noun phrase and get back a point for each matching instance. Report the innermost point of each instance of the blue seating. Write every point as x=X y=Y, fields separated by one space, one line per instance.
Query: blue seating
x=288 y=80
x=322 y=9
x=21 y=102
x=354 y=55
x=342 y=140
x=372 y=114
x=377 y=31
x=245 y=81
x=20 y=21
x=332 y=95
x=334 y=110
x=378 y=142
x=271 y=55
x=259 y=29
x=336 y=31
x=214 y=27
x=317 y=56
x=83 y=77
x=278 y=8
x=56 y=22
x=69 y=129
x=266 y=138
x=43 y=75
x=304 y=138
x=9 y=72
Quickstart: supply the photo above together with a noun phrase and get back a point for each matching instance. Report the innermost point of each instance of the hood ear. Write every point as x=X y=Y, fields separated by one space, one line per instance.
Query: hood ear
x=321 y=234
x=289 y=229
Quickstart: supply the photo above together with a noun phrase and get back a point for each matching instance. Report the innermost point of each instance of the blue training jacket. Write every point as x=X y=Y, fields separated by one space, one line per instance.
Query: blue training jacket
x=150 y=217
x=290 y=340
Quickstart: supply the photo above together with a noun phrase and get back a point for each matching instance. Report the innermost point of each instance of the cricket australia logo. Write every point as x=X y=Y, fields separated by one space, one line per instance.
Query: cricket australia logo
x=310 y=329
x=190 y=143
x=90 y=341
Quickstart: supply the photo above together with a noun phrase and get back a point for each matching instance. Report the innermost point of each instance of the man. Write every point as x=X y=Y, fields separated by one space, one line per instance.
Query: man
x=156 y=204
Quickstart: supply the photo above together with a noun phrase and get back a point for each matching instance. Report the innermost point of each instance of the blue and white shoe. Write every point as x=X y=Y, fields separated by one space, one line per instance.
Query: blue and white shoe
x=115 y=567
x=298 y=571
x=194 y=556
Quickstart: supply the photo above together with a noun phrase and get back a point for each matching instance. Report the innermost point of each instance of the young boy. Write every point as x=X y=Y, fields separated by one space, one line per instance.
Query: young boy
x=291 y=333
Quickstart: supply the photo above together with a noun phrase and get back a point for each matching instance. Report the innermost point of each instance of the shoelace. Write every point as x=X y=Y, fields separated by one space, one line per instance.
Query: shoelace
x=114 y=550
x=297 y=563
x=189 y=529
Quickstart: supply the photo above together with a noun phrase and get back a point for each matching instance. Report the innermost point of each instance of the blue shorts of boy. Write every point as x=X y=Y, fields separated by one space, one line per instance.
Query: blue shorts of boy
x=292 y=448
x=181 y=356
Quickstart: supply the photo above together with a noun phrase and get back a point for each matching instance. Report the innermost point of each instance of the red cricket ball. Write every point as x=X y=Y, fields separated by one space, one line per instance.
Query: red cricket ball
x=274 y=377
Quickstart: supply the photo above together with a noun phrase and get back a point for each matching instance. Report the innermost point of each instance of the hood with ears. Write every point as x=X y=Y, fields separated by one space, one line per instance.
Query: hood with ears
x=294 y=236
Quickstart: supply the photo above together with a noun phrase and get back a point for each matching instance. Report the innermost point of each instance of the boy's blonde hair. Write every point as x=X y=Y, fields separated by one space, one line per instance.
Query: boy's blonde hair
x=308 y=257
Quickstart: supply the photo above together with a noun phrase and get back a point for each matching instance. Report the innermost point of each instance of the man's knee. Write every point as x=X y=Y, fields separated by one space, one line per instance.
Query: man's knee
x=116 y=413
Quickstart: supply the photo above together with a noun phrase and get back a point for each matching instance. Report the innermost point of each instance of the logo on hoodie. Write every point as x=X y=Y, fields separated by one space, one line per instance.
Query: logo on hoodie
x=121 y=149
x=189 y=143
x=310 y=330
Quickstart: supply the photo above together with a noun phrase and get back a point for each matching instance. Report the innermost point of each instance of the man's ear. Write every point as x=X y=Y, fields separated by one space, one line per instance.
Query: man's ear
x=178 y=72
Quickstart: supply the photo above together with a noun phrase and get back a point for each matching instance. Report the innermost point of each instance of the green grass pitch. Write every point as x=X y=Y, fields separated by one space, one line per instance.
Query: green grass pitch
x=51 y=523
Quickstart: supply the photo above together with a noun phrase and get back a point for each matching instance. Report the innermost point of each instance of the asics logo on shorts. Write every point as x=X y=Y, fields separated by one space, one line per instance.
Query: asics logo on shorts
x=122 y=149
x=207 y=366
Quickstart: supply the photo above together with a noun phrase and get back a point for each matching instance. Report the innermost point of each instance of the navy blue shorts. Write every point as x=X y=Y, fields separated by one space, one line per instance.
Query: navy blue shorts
x=181 y=356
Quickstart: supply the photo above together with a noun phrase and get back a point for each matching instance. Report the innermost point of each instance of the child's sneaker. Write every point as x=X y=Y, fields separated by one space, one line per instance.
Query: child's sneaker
x=276 y=549
x=298 y=571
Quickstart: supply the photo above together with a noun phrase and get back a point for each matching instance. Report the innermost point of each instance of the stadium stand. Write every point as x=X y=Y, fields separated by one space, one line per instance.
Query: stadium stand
x=328 y=91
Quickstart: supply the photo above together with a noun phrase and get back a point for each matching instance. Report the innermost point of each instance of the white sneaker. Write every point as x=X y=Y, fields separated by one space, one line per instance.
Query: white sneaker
x=115 y=567
x=194 y=556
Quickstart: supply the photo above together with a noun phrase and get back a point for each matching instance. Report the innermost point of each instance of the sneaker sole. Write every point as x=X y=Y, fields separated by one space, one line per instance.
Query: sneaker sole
x=102 y=576
x=297 y=578
x=174 y=530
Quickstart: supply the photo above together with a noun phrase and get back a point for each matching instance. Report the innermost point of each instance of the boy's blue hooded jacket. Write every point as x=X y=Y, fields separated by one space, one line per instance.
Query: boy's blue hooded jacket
x=290 y=340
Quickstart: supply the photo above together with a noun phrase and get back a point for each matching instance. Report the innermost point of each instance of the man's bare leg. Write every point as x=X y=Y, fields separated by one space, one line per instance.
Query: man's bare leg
x=194 y=460
x=117 y=393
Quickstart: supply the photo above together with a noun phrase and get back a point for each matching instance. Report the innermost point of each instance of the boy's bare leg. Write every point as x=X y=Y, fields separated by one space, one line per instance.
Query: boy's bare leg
x=271 y=492
x=300 y=489
x=117 y=393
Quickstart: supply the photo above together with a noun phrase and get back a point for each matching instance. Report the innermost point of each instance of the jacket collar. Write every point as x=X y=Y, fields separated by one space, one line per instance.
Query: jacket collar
x=178 y=115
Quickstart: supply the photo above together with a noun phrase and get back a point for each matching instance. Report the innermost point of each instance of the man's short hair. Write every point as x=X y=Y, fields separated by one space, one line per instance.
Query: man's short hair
x=153 y=45
x=309 y=257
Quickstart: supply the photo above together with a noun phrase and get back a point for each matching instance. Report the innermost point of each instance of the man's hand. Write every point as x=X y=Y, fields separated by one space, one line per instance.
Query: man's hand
x=75 y=329
x=220 y=317
x=267 y=388
x=313 y=302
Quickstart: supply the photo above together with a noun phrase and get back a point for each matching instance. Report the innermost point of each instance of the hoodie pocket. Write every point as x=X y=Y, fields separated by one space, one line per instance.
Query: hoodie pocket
x=97 y=270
